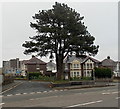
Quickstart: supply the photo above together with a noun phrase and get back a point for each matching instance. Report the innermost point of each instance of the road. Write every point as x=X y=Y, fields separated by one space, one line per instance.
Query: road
x=88 y=97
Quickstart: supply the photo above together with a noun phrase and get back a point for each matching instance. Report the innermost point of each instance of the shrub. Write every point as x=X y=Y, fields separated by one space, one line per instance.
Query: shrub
x=103 y=73
x=33 y=75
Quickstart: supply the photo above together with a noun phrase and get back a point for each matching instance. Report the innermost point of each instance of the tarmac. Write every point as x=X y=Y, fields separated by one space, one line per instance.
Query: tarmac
x=10 y=86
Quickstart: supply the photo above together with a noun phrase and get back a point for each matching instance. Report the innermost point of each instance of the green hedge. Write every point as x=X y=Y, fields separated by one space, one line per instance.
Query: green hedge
x=103 y=73
x=33 y=75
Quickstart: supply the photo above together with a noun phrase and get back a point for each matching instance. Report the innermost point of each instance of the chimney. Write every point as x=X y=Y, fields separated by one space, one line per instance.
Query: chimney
x=108 y=57
x=33 y=56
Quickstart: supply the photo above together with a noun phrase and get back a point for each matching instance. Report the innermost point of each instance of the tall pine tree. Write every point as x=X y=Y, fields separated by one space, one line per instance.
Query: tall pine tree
x=60 y=31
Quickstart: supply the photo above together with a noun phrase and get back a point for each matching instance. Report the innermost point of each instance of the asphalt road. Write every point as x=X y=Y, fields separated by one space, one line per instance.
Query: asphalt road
x=28 y=87
x=88 y=97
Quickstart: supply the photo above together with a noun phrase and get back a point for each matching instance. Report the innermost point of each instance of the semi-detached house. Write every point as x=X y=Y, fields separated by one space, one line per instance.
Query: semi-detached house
x=80 y=66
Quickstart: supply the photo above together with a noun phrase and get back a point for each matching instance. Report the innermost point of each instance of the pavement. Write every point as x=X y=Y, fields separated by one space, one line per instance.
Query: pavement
x=97 y=84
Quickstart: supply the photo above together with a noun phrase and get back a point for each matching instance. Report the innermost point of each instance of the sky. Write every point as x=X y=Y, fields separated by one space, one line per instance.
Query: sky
x=101 y=19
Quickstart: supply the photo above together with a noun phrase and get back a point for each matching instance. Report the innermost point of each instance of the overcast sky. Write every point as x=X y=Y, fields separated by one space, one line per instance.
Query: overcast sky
x=101 y=18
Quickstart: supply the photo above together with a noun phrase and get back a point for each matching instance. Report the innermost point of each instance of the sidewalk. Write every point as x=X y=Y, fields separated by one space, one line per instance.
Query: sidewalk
x=10 y=86
x=85 y=86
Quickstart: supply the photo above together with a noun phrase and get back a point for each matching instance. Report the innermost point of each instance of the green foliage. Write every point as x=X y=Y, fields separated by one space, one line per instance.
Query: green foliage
x=46 y=78
x=60 y=31
x=80 y=79
x=103 y=73
x=33 y=75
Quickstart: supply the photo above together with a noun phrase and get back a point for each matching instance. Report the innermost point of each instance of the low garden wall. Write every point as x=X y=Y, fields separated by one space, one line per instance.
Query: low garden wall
x=71 y=83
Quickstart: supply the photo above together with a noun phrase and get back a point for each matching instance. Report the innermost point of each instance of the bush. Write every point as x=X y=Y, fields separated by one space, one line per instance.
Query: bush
x=103 y=73
x=34 y=75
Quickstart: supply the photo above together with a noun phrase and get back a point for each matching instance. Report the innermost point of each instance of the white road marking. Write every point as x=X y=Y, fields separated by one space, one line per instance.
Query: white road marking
x=32 y=93
x=50 y=91
x=24 y=93
x=61 y=90
x=39 y=92
x=55 y=90
x=85 y=103
x=117 y=98
x=12 y=87
x=114 y=92
x=18 y=94
x=10 y=95
x=44 y=91
x=1 y=104
x=107 y=93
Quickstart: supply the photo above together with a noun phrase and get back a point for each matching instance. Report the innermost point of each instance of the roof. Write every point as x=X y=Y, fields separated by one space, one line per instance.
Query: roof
x=34 y=60
x=81 y=58
x=51 y=64
x=108 y=62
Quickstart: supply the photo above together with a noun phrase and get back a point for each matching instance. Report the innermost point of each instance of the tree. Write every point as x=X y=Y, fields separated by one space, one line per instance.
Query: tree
x=59 y=32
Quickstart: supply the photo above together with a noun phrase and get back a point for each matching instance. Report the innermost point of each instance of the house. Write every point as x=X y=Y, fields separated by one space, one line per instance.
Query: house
x=51 y=68
x=80 y=66
x=34 y=65
x=109 y=63
x=117 y=69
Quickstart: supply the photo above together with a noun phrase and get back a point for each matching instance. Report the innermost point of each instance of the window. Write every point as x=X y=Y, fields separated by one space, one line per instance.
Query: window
x=74 y=74
x=76 y=65
x=78 y=74
x=88 y=65
x=91 y=65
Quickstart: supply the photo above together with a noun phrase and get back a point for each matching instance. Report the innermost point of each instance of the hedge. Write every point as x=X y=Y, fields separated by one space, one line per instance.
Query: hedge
x=103 y=73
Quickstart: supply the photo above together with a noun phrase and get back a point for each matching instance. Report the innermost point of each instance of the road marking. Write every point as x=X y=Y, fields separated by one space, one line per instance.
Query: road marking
x=44 y=91
x=24 y=93
x=18 y=94
x=32 y=93
x=12 y=87
x=10 y=95
x=55 y=90
x=106 y=93
x=61 y=90
x=1 y=104
x=50 y=91
x=85 y=103
x=117 y=98
x=39 y=92
x=1 y=96
x=114 y=92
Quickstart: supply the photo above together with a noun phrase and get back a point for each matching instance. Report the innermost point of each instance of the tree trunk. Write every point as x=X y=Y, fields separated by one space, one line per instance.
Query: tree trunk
x=59 y=62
